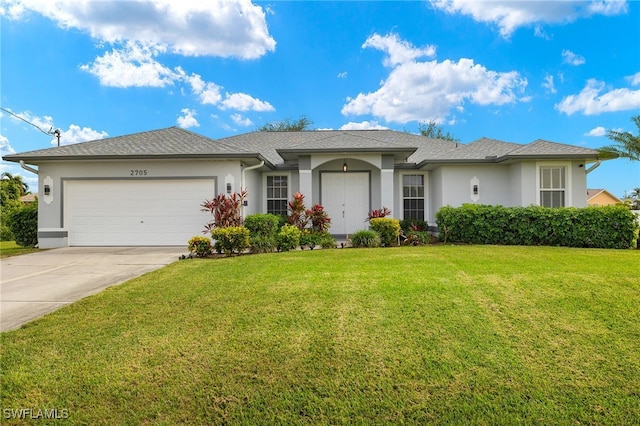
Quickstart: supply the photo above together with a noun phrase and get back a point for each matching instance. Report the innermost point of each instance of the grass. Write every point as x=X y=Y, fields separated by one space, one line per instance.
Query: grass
x=10 y=248
x=413 y=335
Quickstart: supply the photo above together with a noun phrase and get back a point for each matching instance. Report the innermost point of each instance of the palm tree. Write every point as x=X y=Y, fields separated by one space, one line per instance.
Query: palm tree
x=627 y=145
x=635 y=197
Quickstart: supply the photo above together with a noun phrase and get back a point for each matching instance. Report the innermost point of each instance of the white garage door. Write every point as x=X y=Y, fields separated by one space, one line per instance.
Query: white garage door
x=136 y=212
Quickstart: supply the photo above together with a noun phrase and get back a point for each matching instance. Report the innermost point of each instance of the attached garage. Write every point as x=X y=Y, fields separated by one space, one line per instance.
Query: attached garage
x=148 y=212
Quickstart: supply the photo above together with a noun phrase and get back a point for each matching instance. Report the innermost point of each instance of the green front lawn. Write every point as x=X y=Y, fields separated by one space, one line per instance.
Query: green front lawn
x=10 y=248
x=437 y=334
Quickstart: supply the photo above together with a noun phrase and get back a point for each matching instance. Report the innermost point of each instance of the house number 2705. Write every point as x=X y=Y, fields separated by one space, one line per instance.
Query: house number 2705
x=138 y=172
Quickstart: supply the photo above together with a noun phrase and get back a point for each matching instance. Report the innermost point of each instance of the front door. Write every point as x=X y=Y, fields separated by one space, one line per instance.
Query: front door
x=345 y=197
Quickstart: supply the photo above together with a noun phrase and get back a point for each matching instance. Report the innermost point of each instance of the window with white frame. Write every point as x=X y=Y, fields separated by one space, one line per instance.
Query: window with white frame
x=413 y=196
x=277 y=194
x=553 y=186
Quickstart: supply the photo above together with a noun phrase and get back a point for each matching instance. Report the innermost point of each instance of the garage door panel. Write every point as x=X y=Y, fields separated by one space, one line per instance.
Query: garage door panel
x=149 y=212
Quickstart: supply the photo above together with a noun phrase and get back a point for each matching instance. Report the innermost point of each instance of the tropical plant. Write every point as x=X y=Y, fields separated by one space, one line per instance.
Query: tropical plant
x=626 y=144
x=297 y=212
x=374 y=214
x=634 y=197
x=226 y=210
x=200 y=246
x=319 y=218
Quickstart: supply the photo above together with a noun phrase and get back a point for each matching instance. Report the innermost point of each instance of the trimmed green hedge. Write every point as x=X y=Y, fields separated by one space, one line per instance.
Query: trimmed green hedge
x=23 y=224
x=598 y=227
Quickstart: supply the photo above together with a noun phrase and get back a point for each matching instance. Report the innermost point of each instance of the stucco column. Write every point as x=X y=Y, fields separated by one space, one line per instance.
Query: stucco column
x=304 y=172
x=386 y=182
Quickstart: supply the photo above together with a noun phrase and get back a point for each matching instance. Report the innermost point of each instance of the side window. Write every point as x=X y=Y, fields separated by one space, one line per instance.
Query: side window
x=552 y=186
x=413 y=196
x=277 y=195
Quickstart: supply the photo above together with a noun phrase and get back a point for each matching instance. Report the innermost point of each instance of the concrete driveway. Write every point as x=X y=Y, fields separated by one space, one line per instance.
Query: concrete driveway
x=35 y=284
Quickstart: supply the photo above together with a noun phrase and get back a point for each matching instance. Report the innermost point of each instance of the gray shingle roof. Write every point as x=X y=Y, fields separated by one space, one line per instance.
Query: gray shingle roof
x=174 y=142
x=169 y=142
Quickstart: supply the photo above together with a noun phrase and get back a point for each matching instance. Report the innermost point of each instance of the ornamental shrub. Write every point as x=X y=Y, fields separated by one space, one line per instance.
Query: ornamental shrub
x=23 y=224
x=200 y=246
x=231 y=240
x=264 y=225
x=365 y=238
x=418 y=238
x=597 y=227
x=387 y=228
x=263 y=229
x=288 y=238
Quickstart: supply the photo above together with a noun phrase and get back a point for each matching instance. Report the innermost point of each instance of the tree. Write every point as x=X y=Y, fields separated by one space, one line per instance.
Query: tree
x=432 y=130
x=11 y=189
x=634 y=198
x=287 y=125
x=627 y=145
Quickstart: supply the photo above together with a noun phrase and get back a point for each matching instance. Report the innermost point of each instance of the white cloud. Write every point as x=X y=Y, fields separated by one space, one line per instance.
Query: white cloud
x=210 y=94
x=45 y=123
x=363 y=125
x=342 y=75
x=132 y=66
x=416 y=91
x=568 y=57
x=398 y=51
x=590 y=101
x=76 y=134
x=244 y=102
x=596 y=131
x=634 y=80
x=509 y=15
x=240 y=120
x=5 y=147
x=188 y=119
x=548 y=84
x=226 y=28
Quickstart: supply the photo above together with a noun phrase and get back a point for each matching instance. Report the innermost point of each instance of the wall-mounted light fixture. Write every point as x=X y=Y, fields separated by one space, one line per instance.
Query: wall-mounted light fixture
x=229 y=188
x=47 y=190
x=344 y=167
x=475 y=189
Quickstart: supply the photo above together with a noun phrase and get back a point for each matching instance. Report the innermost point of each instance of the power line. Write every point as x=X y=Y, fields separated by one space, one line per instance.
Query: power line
x=55 y=133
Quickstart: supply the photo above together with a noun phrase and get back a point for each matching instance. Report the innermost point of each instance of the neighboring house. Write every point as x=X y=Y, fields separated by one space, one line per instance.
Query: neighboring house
x=29 y=198
x=147 y=188
x=601 y=197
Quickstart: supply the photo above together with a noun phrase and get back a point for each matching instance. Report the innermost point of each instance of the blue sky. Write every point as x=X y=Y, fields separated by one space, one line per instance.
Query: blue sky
x=516 y=71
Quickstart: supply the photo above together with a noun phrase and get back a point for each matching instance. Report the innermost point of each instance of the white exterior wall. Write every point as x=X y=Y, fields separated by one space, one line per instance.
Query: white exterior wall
x=435 y=194
x=493 y=185
x=52 y=231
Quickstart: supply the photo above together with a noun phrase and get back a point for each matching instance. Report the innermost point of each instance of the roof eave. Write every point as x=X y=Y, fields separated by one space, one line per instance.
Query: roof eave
x=35 y=160
x=547 y=157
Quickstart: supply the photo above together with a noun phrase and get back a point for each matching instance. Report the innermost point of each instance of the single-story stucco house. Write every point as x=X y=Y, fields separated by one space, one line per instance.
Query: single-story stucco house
x=601 y=197
x=147 y=188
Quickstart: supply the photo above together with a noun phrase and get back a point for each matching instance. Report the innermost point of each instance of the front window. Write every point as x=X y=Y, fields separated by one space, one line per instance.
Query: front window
x=277 y=195
x=552 y=186
x=413 y=196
